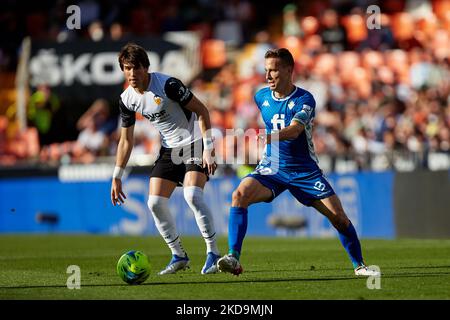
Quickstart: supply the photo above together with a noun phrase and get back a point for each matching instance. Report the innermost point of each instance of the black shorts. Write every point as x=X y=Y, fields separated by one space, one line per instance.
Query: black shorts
x=173 y=163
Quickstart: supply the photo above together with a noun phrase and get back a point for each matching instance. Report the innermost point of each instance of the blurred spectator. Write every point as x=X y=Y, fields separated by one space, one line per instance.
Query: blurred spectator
x=96 y=127
x=379 y=38
x=95 y=30
x=91 y=143
x=333 y=34
x=98 y=113
x=355 y=28
x=291 y=25
x=42 y=108
x=309 y=26
x=116 y=31
x=16 y=145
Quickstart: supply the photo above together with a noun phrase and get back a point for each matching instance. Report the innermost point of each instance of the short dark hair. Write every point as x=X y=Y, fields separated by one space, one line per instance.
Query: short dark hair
x=133 y=54
x=283 y=54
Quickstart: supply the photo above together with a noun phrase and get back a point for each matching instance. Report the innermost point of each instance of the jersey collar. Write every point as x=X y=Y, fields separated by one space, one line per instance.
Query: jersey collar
x=285 y=98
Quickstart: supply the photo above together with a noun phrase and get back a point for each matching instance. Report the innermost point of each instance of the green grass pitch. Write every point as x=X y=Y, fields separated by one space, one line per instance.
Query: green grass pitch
x=35 y=266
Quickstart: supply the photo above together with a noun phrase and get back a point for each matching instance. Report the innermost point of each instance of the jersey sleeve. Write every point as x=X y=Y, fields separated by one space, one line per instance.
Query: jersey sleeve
x=177 y=91
x=304 y=110
x=257 y=99
x=127 y=116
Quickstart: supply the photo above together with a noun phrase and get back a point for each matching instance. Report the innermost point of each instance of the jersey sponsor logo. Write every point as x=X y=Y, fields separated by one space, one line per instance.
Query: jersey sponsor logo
x=155 y=116
x=266 y=103
x=277 y=122
x=319 y=186
x=291 y=105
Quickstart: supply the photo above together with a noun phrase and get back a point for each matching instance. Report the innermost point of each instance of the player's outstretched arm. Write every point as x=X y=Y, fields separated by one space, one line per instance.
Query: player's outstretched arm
x=202 y=112
x=290 y=132
x=123 y=155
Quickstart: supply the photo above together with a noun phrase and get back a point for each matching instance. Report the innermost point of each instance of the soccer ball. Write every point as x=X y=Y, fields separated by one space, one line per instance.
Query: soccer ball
x=133 y=267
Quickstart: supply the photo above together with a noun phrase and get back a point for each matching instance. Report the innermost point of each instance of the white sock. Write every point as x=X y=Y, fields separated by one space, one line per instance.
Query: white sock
x=194 y=197
x=159 y=207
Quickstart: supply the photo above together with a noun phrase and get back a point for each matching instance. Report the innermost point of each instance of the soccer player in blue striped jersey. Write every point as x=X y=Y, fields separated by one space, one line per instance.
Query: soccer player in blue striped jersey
x=288 y=163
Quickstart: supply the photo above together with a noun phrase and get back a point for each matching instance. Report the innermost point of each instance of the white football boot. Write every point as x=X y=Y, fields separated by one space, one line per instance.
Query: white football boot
x=229 y=264
x=176 y=264
x=365 y=271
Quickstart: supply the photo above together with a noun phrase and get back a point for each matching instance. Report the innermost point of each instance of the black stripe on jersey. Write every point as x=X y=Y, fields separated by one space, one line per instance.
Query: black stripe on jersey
x=128 y=117
x=177 y=91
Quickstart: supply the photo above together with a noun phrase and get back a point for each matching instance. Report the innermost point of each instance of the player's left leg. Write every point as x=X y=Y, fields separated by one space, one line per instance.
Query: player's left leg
x=194 y=183
x=331 y=207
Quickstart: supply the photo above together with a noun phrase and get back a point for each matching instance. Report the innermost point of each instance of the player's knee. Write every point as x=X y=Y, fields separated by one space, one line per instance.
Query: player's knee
x=341 y=222
x=156 y=204
x=240 y=198
x=193 y=196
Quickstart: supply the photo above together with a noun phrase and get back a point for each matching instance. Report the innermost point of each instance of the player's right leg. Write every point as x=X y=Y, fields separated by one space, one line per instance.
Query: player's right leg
x=249 y=191
x=158 y=203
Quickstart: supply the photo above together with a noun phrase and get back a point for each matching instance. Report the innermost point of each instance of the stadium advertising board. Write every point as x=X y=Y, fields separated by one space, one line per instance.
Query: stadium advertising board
x=71 y=66
x=49 y=205
x=79 y=72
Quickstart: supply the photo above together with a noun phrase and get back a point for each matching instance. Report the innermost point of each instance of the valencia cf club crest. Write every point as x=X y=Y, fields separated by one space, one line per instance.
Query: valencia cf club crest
x=157 y=99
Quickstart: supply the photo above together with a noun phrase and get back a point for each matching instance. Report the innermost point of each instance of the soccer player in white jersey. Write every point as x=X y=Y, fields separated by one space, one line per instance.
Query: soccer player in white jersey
x=186 y=157
x=289 y=163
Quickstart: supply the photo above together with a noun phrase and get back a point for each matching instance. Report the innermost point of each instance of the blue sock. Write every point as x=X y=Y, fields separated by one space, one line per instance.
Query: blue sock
x=350 y=241
x=237 y=227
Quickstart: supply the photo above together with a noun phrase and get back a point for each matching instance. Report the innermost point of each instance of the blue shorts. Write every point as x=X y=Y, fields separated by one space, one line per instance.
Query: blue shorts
x=304 y=186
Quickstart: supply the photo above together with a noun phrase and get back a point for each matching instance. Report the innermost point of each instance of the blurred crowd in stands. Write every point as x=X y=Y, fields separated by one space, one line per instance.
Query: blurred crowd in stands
x=381 y=83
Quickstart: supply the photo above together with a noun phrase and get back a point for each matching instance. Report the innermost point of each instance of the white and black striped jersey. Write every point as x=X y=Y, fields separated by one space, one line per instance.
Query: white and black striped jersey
x=163 y=105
